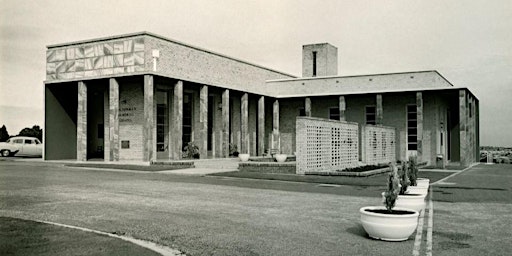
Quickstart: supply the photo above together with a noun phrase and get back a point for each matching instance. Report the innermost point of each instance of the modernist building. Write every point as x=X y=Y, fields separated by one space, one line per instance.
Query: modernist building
x=143 y=97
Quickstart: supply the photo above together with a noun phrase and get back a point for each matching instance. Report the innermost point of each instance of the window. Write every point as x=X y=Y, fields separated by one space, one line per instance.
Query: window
x=334 y=113
x=370 y=114
x=28 y=141
x=187 y=118
x=160 y=127
x=314 y=63
x=18 y=141
x=412 y=128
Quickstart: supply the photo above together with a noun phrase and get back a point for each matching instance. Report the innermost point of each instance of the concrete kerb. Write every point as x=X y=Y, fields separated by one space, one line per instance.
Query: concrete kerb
x=163 y=250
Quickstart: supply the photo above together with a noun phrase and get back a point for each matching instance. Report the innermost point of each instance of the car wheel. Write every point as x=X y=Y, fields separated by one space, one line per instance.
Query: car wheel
x=6 y=153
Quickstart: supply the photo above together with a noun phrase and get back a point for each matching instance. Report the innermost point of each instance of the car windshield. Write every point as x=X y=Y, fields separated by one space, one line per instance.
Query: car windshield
x=9 y=140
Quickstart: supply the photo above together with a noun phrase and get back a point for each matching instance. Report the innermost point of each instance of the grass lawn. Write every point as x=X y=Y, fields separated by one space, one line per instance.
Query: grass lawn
x=23 y=237
x=375 y=180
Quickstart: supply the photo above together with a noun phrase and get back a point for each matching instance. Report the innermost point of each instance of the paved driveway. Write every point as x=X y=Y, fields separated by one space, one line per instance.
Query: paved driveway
x=227 y=216
x=473 y=212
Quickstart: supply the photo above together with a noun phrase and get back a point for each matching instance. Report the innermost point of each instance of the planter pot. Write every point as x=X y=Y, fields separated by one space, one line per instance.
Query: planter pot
x=243 y=157
x=380 y=224
x=411 y=201
x=422 y=182
x=281 y=158
x=417 y=190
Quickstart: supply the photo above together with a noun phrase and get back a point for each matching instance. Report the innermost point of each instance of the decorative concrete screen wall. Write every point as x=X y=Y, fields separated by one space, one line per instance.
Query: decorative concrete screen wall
x=325 y=145
x=378 y=144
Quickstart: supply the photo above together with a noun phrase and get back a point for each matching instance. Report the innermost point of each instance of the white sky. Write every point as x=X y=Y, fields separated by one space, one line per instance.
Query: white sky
x=468 y=42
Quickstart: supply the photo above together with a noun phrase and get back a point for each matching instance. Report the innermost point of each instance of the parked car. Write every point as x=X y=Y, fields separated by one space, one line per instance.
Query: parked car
x=21 y=146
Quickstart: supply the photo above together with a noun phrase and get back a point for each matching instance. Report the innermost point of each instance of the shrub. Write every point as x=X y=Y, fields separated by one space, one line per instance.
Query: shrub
x=393 y=188
x=192 y=150
x=413 y=170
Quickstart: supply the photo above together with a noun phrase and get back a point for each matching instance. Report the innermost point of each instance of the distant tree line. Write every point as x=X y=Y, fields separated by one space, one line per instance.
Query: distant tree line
x=35 y=131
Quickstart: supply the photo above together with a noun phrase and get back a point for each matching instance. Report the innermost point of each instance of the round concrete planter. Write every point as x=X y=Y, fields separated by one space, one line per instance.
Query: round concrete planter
x=243 y=157
x=389 y=227
x=281 y=158
x=417 y=190
x=422 y=182
x=410 y=201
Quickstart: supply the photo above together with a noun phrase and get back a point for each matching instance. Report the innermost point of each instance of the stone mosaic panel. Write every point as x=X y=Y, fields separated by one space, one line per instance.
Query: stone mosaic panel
x=95 y=59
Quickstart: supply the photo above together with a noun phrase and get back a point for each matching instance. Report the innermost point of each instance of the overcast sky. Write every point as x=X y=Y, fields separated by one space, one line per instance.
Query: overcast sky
x=467 y=41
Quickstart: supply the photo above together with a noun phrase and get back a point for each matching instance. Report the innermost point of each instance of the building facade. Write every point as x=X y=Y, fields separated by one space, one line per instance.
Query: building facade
x=143 y=97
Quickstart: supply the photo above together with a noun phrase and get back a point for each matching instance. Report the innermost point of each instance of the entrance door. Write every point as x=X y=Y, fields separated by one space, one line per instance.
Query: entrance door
x=95 y=121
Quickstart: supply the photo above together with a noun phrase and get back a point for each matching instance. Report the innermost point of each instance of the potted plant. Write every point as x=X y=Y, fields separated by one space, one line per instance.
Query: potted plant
x=280 y=158
x=407 y=199
x=192 y=150
x=389 y=223
x=243 y=157
x=233 y=150
x=417 y=185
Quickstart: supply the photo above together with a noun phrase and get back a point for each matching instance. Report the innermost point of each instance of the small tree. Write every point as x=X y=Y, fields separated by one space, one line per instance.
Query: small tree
x=413 y=170
x=4 y=135
x=403 y=176
x=393 y=188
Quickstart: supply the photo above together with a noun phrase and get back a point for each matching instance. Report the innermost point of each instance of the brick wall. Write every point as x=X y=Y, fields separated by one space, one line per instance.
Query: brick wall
x=131 y=117
x=191 y=64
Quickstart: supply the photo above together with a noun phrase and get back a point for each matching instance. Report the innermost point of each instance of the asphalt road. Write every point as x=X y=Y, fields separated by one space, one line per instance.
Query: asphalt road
x=473 y=212
x=230 y=216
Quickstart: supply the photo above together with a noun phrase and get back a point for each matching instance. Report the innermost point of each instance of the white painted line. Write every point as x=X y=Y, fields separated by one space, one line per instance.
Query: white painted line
x=329 y=185
x=430 y=225
x=163 y=250
x=452 y=175
x=417 y=239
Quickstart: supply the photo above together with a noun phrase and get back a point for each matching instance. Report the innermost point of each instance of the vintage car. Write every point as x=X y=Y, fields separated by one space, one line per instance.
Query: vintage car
x=21 y=146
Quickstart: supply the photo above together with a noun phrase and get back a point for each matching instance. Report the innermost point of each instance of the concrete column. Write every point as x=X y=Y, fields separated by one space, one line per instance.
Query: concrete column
x=261 y=125
x=203 y=121
x=307 y=106
x=419 y=127
x=477 y=130
x=177 y=125
x=342 y=107
x=276 y=143
x=379 y=110
x=81 y=123
x=245 y=123
x=463 y=127
x=149 y=127
x=225 y=124
x=113 y=150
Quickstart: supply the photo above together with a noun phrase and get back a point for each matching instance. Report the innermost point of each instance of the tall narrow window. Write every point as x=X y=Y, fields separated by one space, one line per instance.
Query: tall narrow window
x=160 y=127
x=187 y=118
x=314 y=63
x=370 y=114
x=412 y=128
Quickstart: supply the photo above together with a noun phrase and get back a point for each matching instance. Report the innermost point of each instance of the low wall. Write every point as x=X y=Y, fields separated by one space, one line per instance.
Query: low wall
x=378 y=144
x=325 y=145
